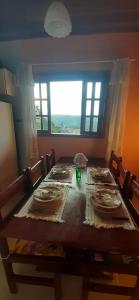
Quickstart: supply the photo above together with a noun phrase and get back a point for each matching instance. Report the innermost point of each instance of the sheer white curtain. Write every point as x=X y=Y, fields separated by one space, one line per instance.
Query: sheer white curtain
x=27 y=134
x=118 y=93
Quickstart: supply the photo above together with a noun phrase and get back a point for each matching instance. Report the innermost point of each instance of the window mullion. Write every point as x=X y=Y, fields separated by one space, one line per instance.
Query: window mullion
x=92 y=107
x=40 y=106
x=49 y=107
x=102 y=107
x=84 y=90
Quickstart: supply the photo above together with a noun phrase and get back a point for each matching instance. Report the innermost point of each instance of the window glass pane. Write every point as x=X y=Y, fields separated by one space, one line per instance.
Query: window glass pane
x=36 y=91
x=96 y=108
x=87 y=124
x=45 y=123
x=37 y=107
x=95 y=124
x=66 y=98
x=38 y=123
x=44 y=108
x=88 y=108
x=89 y=89
x=43 y=90
x=97 y=90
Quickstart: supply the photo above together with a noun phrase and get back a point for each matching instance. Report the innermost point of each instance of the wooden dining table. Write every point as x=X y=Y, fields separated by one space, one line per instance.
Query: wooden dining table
x=73 y=233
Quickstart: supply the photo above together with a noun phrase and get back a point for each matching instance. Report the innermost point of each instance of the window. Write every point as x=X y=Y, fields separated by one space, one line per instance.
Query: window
x=71 y=107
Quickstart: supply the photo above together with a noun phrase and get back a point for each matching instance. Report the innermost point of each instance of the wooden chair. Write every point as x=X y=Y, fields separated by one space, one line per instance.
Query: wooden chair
x=44 y=169
x=121 y=175
x=10 y=198
x=114 y=164
x=123 y=179
x=132 y=199
x=115 y=263
x=50 y=160
x=35 y=174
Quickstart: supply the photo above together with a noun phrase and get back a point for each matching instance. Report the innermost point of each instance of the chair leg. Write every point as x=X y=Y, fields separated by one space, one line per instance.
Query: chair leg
x=7 y=265
x=9 y=275
x=58 y=291
x=136 y=291
x=84 y=289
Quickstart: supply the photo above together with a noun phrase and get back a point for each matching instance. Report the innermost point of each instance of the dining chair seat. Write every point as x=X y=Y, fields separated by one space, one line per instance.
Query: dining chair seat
x=33 y=248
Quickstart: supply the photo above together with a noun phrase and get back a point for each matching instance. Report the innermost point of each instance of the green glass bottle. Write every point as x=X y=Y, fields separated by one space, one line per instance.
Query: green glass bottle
x=78 y=173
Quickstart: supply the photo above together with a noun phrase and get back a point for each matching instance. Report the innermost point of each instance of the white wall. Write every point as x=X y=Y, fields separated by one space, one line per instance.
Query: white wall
x=8 y=157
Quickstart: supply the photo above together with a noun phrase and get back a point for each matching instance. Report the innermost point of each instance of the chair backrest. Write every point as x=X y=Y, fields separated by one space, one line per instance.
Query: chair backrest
x=12 y=195
x=35 y=174
x=133 y=200
x=50 y=160
x=114 y=164
x=44 y=166
x=123 y=179
x=121 y=175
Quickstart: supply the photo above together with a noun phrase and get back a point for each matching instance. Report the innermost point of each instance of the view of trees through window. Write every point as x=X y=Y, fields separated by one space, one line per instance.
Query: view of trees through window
x=66 y=106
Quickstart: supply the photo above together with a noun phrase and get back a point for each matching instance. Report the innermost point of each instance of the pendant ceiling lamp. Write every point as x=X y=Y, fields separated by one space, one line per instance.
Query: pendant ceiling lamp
x=57 y=20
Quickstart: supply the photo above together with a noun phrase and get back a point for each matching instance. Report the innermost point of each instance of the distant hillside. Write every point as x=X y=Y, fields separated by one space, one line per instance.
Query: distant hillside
x=66 y=121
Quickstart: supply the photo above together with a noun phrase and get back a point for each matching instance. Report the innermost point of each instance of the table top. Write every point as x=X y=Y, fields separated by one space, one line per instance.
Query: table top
x=73 y=233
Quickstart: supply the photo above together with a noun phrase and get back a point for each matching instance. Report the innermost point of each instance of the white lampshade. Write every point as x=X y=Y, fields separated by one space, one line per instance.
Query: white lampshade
x=57 y=20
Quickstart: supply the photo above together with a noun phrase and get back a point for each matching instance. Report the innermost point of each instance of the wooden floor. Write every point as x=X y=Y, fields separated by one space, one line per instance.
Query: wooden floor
x=71 y=287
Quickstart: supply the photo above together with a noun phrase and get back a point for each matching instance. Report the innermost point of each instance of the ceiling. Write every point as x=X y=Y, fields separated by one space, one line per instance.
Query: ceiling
x=21 y=19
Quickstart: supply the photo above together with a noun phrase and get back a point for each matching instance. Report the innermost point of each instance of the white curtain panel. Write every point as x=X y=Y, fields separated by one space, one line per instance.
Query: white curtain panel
x=118 y=94
x=28 y=145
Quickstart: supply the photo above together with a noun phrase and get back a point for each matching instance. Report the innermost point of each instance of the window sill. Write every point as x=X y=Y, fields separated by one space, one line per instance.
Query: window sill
x=45 y=133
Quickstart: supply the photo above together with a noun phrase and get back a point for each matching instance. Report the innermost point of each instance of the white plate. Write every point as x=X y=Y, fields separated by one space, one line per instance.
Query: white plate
x=106 y=200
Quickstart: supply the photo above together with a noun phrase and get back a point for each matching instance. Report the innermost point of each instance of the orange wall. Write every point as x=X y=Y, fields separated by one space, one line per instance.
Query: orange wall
x=131 y=138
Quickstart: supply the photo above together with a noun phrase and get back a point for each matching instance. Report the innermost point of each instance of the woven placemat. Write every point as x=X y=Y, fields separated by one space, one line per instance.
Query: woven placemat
x=91 y=180
x=68 y=179
x=55 y=217
x=93 y=218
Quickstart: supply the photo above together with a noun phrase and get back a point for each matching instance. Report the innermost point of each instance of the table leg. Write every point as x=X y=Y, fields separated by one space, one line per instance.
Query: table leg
x=84 y=288
x=58 y=291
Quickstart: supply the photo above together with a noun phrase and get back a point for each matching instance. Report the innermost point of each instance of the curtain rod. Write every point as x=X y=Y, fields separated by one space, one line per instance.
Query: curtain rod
x=78 y=62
